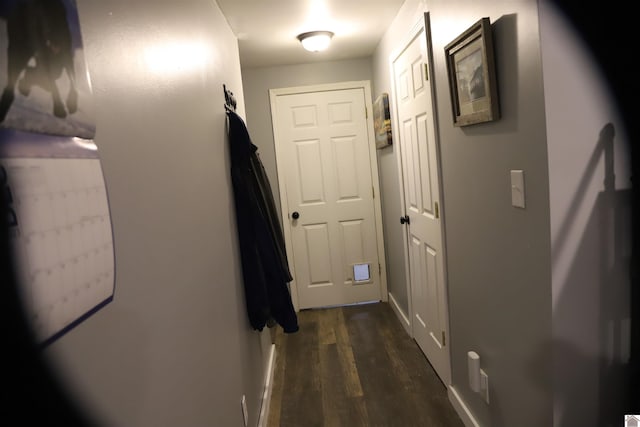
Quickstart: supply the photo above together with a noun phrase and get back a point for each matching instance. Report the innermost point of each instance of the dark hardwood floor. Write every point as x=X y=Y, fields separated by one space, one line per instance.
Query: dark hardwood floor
x=355 y=366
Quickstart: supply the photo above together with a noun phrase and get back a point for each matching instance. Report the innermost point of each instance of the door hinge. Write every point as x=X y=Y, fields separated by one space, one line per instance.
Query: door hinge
x=437 y=210
x=379 y=269
x=366 y=113
x=426 y=71
x=444 y=339
x=373 y=192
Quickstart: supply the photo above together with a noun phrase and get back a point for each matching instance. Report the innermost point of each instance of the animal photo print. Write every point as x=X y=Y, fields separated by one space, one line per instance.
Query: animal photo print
x=43 y=74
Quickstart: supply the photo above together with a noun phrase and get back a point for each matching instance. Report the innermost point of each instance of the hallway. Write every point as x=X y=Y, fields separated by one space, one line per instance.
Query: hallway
x=355 y=366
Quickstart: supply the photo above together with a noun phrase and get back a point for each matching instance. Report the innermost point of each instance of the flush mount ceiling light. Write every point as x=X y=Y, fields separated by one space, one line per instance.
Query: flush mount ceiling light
x=315 y=41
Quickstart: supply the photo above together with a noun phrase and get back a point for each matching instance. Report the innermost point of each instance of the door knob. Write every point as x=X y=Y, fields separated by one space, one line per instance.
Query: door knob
x=405 y=220
x=295 y=215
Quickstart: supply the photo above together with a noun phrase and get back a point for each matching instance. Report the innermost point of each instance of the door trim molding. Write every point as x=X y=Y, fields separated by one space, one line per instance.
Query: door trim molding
x=365 y=85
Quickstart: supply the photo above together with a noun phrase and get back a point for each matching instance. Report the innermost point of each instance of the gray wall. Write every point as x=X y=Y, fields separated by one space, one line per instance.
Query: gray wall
x=497 y=255
x=542 y=293
x=258 y=81
x=174 y=348
x=498 y=261
x=590 y=182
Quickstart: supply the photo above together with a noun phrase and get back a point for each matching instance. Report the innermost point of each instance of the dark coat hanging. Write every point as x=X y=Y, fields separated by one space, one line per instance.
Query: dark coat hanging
x=265 y=267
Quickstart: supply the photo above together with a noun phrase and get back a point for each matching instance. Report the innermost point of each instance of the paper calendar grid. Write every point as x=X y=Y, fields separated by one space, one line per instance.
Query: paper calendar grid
x=62 y=243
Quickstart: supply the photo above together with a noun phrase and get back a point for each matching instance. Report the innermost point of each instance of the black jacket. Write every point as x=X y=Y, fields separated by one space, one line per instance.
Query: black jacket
x=265 y=267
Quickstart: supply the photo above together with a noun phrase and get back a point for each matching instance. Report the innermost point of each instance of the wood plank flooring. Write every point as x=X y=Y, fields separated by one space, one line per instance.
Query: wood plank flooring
x=355 y=366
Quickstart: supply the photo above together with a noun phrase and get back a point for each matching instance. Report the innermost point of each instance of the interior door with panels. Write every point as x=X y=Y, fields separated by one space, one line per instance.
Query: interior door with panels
x=322 y=138
x=413 y=95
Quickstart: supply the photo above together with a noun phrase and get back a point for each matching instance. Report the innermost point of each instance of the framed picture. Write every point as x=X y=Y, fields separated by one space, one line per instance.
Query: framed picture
x=382 y=121
x=472 y=76
x=50 y=93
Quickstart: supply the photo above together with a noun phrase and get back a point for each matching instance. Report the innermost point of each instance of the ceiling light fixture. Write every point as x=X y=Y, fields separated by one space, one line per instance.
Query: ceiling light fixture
x=315 y=41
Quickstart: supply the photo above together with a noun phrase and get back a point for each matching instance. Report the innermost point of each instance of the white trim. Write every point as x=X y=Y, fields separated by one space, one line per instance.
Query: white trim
x=365 y=85
x=377 y=201
x=268 y=388
x=461 y=408
x=401 y=314
x=284 y=204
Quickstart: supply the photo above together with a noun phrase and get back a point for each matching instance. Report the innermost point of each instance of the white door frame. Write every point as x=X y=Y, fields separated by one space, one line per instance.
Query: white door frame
x=408 y=318
x=373 y=161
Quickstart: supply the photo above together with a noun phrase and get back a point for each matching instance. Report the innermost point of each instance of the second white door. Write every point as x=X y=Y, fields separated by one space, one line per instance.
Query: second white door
x=324 y=159
x=420 y=169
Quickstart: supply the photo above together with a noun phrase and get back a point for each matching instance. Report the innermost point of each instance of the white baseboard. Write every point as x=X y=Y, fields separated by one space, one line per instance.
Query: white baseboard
x=268 y=387
x=401 y=315
x=460 y=407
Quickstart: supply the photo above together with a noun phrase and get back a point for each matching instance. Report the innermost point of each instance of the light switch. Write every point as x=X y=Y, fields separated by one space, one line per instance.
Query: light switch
x=517 y=188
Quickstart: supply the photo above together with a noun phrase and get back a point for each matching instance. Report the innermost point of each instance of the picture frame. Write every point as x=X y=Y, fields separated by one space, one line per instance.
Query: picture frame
x=71 y=112
x=382 y=121
x=472 y=77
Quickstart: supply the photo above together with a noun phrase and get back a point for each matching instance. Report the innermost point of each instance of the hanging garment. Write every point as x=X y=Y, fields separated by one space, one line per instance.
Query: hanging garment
x=265 y=267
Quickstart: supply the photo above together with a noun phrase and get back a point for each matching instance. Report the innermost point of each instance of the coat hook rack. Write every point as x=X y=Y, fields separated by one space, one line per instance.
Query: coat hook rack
x=229 y=99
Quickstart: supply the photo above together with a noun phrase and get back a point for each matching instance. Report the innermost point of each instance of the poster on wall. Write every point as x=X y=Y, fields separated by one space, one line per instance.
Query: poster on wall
x=382 y=121
x=50 y=171
x=43 y=73
x=60 y=228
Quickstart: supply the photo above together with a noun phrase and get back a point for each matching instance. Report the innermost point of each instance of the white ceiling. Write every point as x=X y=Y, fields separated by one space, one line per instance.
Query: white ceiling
x=267 y=29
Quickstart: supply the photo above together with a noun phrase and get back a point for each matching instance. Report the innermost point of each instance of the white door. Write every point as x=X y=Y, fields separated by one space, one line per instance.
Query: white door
x=324 y=158
x=420 y=169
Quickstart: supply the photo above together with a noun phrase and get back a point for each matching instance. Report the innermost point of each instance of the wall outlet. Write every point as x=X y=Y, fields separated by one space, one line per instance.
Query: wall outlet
x=245 y=413
x=484 y=386
x=517 y=188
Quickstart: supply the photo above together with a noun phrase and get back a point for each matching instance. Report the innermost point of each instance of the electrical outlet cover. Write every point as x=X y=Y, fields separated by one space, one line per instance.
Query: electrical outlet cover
x=245 y=413
x=517 y=189
x=484 y=386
